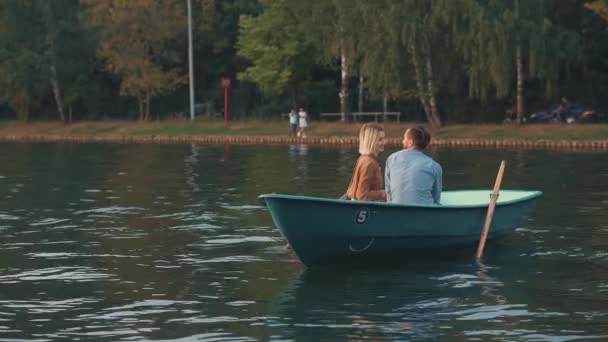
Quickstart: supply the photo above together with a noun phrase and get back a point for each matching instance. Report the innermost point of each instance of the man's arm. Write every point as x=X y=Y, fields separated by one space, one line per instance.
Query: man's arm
x=387 y=180
x=438 y=185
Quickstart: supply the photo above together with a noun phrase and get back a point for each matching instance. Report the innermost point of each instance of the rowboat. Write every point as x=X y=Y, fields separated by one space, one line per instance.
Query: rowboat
x=324 y=230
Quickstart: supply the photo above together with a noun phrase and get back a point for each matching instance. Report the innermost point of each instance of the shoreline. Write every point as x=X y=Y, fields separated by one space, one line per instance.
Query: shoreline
x=287 y=140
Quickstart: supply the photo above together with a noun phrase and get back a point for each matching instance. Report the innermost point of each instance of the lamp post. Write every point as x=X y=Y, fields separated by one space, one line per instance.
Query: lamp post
x=226 y=83
x=190 y=60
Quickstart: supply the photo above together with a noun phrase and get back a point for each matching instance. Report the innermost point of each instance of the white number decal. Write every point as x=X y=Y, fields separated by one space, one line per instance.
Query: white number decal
x=362 y=215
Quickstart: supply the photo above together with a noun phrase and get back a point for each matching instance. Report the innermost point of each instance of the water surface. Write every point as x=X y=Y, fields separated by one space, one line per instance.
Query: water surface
x=132 y=242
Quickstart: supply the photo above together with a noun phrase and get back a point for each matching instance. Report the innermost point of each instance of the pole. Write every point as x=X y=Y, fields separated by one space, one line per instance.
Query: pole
x=225 y=106
x=488 y=221
x=190 y=60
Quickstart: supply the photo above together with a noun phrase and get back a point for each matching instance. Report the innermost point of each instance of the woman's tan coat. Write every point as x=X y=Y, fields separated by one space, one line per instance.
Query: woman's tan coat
x=367 y=183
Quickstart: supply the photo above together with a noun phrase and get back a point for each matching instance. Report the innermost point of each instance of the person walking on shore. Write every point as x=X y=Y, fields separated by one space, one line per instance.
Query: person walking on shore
x=302 y=123
x=293 y=122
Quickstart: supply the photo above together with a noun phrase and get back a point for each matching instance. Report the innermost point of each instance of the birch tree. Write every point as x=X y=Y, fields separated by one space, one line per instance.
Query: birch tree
x=504 y=42
x=43 y=50
x=330 y=27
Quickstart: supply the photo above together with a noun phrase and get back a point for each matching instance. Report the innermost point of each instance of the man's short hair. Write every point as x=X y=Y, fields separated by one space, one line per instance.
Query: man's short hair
x=420 y=137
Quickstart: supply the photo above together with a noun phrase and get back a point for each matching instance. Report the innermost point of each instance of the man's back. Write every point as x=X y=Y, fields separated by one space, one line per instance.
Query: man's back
x=412 y=177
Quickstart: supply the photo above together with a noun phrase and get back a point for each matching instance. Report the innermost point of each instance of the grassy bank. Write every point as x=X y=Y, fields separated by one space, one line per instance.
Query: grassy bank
x=551 y=132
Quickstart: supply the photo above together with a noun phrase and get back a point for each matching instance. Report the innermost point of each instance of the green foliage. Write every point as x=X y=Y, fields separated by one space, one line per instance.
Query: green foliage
x=599 y=7
x=54 y=37
x=23 y=75
x=489 y=32
x=279 y=56
x=287 y=52
x=135 y=37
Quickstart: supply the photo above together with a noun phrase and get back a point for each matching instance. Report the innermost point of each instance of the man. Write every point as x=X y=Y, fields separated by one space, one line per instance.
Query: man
x=293 y=122
x=411 y=176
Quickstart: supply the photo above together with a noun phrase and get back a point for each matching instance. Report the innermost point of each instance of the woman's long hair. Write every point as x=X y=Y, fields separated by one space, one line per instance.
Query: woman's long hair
x=368 y=137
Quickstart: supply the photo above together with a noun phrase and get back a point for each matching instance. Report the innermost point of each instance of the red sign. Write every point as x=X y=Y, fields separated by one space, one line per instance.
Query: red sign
x=226 y=82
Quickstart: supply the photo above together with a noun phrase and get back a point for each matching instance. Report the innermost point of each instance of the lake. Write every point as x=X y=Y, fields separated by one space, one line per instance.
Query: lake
x=136 y=242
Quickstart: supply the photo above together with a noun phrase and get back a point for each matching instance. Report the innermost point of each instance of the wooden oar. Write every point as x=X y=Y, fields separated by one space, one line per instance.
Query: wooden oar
x=488 y=221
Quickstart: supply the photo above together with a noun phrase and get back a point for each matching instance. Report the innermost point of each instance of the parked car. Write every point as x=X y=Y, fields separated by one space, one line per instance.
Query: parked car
x=568 y=113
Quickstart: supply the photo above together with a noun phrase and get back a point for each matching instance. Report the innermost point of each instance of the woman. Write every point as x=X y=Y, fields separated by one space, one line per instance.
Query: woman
x=302 y=123
x=366 y=183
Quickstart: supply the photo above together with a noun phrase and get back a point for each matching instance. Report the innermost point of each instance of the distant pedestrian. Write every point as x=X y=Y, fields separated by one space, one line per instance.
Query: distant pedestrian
x=303 y=123
x=293 y=122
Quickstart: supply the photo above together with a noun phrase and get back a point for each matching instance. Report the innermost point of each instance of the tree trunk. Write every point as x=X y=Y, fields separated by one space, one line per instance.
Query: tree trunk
x=344 y=88
x=520 y=86
x=360 y=94
x=50 y=41
x=385 y=103
x=140 y=102
x=147 y=104
x=432 y=100
x=57 y=93
x=294 y=98
x=420 y=85
x=22 y=106
x=520 y=72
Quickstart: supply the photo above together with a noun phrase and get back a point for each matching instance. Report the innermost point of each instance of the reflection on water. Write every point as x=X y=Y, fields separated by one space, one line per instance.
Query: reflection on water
x=298 y=150
x=189 y=163
x=169 y=242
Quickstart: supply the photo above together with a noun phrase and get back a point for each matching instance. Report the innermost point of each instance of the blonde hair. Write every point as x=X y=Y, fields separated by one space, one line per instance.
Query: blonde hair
x=368 y=138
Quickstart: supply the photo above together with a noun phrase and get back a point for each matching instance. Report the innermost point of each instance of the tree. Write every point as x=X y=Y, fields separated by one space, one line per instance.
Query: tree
x=135 y=37
x=49 y=57
x=330 y=27
x=599 y=7
x=503 y=40
x=395 y=48
x=22 y=73
x=70 y=51
x=381 y=52
x=280 y=58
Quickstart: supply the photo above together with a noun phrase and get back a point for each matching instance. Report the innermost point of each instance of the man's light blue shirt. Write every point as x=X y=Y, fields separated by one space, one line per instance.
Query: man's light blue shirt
x=412 y=177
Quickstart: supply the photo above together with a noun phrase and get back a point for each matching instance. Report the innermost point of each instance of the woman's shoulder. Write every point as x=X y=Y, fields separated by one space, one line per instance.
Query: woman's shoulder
x=366 y=160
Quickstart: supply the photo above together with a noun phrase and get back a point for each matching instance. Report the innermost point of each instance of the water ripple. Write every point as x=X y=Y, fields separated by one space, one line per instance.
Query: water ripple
x=487 y=312
x=46 y=306
x=227 y=259
x=60 y=255
x=78 y=274
x=466 y=280
x=243 y=239
x=198 y=226
x=48 y=221
x=209 y=337
x=244 y=207
x=114 y=210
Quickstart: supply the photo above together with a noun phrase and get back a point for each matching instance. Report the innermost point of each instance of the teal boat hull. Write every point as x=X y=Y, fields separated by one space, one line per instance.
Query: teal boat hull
x=322 y=230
